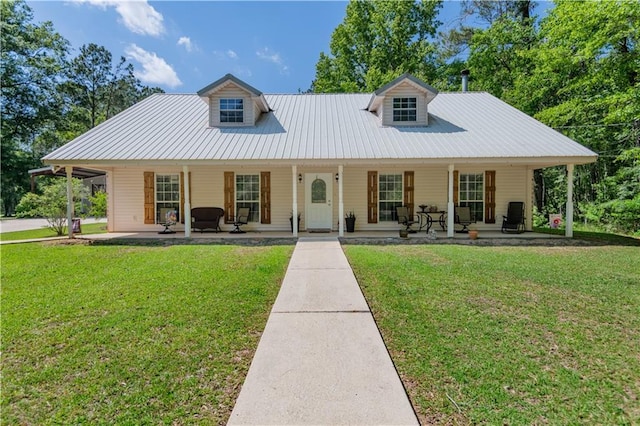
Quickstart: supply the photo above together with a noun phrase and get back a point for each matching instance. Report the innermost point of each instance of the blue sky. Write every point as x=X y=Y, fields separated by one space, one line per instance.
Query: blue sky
x=183 y=46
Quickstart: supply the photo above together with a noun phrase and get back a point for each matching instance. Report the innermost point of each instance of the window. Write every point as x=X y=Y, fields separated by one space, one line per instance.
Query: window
x=404 y=109
x=167 y=196
x=318 y=191
x=231 y=111
x=472 y=194
x=390 y=197
x=248 y=195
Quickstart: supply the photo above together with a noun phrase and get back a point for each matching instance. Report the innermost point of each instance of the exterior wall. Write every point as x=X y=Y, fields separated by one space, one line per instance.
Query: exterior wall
x=207 y=190
x=405 y=90
x=235 y=92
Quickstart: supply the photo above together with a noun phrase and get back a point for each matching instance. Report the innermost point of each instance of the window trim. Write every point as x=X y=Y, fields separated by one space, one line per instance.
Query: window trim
x=464 y=201
x=238 y=103
x=407 y=106
x=381 y=200
x=156 y=202
x=258 y=202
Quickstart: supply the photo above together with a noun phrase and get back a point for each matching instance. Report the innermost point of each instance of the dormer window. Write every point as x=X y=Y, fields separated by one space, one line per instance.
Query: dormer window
x=404 y=109
x=231 y=111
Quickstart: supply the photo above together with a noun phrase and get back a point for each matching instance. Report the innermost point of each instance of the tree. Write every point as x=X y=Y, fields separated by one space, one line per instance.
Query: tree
x=52 y=203
x=378 y=41
x=32 y=59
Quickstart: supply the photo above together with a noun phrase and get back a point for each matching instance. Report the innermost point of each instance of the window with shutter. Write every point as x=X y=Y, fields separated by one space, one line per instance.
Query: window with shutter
x=372 y=197
x=490 y=196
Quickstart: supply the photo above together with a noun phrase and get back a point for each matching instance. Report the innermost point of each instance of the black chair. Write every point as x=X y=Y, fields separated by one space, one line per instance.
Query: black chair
x=404 y=218
x=463 y=217
x=514 y=220
x=242 y=218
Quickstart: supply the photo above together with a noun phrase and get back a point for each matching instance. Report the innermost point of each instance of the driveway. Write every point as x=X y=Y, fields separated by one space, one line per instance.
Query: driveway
x=10 y=225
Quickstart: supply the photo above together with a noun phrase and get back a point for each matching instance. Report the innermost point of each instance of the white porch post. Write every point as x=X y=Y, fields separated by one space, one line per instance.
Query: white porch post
x=187 y=202
x=450 y=208
x=568 y=231
x=110 y=202
x=340 y=203
x=69 y=170
x=294 y=206
x=529 y=201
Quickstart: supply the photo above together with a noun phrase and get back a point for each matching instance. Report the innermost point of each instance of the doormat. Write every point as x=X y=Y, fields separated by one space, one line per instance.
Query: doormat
x=319 y=231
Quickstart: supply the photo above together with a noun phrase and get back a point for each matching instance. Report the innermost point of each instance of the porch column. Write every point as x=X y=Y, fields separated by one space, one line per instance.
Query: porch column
x=450 y=208
x=294 y=206
x=69 y=170
x=110 y=201
x=187 y=203
x=528 y=225
x=340 y=203
x=568 y=230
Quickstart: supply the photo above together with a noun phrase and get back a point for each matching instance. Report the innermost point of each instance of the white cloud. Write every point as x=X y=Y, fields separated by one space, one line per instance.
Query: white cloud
x=186 y=42
x=137 y=15
x=268 y=55
x=154 y=69
x=231 y=54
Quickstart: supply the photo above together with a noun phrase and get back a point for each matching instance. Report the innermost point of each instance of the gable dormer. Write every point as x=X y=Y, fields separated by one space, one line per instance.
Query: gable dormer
x=233 y=103
x=403 y=102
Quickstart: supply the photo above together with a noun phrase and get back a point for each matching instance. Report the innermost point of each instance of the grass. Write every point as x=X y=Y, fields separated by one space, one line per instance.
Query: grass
x=131 y=335
x=90 y=228
x=594 y=235
x=506 y=335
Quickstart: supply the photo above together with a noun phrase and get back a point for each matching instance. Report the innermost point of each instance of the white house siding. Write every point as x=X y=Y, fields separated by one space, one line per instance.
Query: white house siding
x=405 y=90
x=207 y=190
x=231 y=92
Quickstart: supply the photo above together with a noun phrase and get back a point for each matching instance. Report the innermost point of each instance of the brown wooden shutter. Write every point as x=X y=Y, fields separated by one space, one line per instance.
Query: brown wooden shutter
x=229 y=197
x=456 y=183
x=149 y=198
x=372 y=197
x=265 y=197
x=408 y=191
x=490 y=196
x=182 y=194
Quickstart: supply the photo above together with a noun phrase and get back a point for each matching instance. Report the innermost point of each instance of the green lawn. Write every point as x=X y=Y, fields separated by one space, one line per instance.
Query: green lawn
x=131 y=334
x=510 y=335
x=90 y=228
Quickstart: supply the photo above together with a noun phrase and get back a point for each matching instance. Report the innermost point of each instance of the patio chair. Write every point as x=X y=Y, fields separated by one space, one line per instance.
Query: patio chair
x=514 y=220
x=170 y=218
x=463 y=217
x=405 y=219
x=242 y=218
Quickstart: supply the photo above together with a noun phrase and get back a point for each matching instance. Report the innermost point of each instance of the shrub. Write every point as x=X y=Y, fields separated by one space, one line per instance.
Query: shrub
x=98 y=205
x=28 y=206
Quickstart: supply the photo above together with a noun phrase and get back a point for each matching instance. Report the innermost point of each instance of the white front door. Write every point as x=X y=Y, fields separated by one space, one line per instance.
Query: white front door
x=318 y=201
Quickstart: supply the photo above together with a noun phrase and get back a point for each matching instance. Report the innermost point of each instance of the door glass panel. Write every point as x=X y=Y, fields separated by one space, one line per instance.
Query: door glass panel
x=318 y=191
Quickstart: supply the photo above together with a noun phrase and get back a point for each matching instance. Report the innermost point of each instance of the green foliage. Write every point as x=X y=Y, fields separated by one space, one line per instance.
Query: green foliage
x=378 y=41
x=98 y=204
x=28 y=206
x=52 y=203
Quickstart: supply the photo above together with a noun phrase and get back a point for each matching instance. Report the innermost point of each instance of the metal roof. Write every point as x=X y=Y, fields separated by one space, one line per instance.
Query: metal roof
x=463 y=127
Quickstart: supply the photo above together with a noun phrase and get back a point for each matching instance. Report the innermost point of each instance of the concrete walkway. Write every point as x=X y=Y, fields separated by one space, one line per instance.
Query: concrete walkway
x=321 y=359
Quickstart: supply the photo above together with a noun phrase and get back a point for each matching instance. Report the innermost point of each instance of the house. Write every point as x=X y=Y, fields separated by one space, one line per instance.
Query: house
x=320 y=155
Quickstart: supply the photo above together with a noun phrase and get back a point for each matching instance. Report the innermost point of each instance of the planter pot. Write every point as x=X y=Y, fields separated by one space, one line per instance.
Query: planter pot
x=473 y=234
x=291 y=221
x=404 y=233
x=350 y=222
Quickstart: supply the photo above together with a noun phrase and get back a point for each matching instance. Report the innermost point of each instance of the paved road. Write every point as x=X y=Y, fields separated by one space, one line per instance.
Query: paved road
x=10 y=225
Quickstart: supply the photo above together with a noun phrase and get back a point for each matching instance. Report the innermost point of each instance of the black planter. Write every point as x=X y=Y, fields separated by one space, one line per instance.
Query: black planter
x=291 y=222
x=351 y=223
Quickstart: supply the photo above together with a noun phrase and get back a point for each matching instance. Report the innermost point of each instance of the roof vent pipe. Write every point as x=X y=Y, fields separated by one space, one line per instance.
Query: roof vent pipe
x=465 y=80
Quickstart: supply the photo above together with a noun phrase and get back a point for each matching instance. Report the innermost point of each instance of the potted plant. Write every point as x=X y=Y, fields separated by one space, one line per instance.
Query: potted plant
x=473 y=232
x=350 y=221
x=291 y=220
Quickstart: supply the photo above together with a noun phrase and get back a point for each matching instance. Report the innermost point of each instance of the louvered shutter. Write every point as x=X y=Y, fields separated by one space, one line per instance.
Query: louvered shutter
x=229 y=197
x=456 y=186
x=149 y=198
x=490 y=196
x=409 y=191
x=372 y=197
x=265 y=197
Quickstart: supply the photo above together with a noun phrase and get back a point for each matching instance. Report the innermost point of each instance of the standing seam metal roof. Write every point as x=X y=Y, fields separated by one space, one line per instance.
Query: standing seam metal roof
x=468 y=125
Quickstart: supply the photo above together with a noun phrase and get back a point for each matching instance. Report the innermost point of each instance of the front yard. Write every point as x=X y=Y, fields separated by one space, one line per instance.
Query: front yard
x=510 y=335
x=131 y=335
